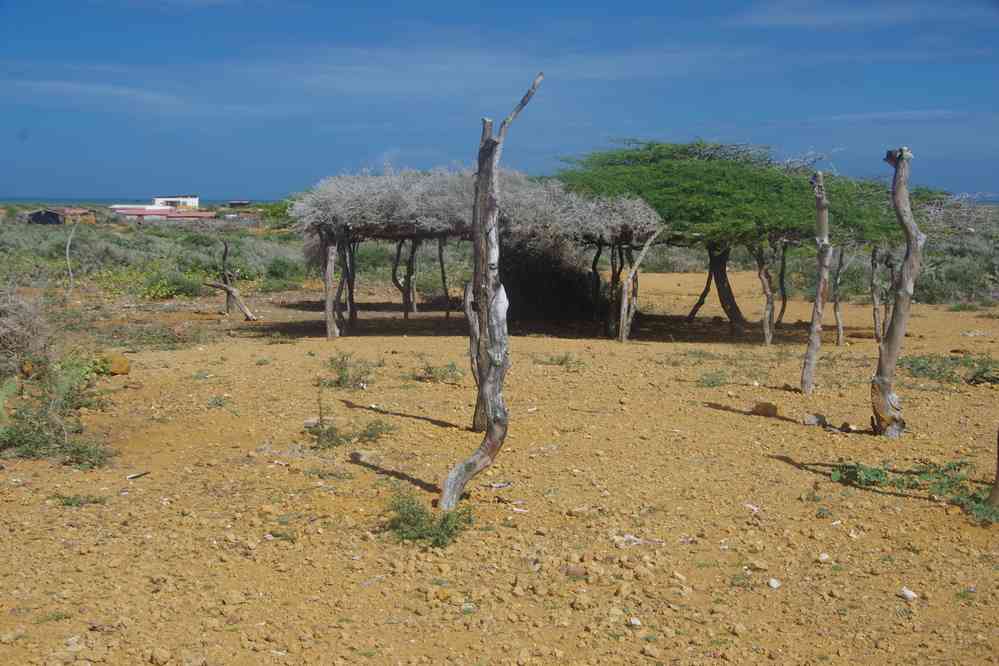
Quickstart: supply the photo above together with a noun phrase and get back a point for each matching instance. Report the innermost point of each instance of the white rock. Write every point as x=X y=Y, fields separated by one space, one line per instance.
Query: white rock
x=823 y=557
x=774 y=583
x=634 y=622
x=908 y=594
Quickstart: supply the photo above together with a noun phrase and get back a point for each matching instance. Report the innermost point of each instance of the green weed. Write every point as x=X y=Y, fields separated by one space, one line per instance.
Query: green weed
x=412 y=521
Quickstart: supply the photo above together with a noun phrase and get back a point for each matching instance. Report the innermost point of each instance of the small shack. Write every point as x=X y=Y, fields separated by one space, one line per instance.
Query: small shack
x=62 y=216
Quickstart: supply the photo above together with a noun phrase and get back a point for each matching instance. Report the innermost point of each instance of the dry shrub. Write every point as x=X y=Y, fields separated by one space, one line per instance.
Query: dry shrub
x=25 y=336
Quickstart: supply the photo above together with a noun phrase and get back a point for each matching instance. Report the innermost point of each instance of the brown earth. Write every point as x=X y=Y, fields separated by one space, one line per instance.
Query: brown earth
x=244 y=545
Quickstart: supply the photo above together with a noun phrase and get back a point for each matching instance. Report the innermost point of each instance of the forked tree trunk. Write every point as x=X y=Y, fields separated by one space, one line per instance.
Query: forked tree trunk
x=488 y=309
x=629 y=292
x=823 y=257
x=232 y=294
x=700 y=299
x=782 y=282
x=767 y=285
x=718 y=256
x=887 y=418
x=440 y=258
x=329 y=273
x=341 y=286
x=837 y=305
x=993 y=498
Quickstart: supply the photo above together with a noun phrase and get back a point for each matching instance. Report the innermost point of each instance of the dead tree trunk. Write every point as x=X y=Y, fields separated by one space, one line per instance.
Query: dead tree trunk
x=440 y=258
x=887 y=419
x=225 y=283
x=782 y=282
x=69 y=264
x=329 y=272
x=338 y=305
x=718 y=256
x=767 y=283
x=876 y=296
x=488 y=309
x=993 y=498
x=824 y=252
x=595 y=280
x=700 y=299
x=629 y=292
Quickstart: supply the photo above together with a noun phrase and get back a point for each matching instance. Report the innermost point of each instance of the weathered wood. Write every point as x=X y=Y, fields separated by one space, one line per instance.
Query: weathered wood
x=329 y=297
x=629 y=291
x=341 y=287
x=69 y=264
x=782 y=282
x=489 y=307
x=886 y=405
x=225 y=277
x=823 y=259
x=440 y=258
x=351 y=272
x=232 y=293
x=701 y=300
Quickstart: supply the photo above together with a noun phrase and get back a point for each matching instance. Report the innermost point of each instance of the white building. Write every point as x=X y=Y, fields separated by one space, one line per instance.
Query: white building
x=189 y=201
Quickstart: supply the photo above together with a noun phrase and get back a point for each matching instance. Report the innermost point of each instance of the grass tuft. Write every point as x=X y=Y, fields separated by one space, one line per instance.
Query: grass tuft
x=412 y=521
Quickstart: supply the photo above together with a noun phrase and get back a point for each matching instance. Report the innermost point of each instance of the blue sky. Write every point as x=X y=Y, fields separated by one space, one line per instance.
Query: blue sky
x=261 y=98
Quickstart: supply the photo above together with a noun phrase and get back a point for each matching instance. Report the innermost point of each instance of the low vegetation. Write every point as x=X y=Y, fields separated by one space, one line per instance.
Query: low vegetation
x=410 y=520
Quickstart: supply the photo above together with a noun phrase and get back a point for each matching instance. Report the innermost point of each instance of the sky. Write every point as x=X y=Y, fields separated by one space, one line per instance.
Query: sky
x=262 y=98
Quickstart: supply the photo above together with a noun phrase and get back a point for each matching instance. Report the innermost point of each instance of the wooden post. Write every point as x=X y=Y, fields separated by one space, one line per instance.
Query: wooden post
x=488 y=308
x=823 y=259
x=887 y=418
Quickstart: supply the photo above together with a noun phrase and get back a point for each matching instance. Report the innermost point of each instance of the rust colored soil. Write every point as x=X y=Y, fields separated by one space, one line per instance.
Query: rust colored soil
x=647 y=512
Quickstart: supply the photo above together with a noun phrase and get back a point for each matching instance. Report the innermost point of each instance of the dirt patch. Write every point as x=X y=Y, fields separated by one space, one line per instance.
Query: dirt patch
x=640 y=511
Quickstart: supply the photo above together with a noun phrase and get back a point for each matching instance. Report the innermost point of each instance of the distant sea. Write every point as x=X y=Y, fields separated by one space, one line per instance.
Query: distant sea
x=101 y=201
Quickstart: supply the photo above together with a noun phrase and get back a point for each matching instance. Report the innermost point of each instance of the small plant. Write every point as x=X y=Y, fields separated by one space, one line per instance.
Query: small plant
x=79 y=500
x=964 y=307
x=953 y=369
x=263 y=361
x=54 y=616
x=217 y=402
x=566 y=360
x=860 y=475
x=350 y=373
x=444 y=374
x=412 y=521
x=713 y=379
x=374 y=431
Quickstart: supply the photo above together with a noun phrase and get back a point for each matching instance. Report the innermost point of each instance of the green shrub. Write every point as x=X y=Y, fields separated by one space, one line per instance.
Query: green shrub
x=411 y=521
x=283 y=268
x=953 y=369
x=161 y=286
x=444 y=374
x=350 y=373
x=272 y=284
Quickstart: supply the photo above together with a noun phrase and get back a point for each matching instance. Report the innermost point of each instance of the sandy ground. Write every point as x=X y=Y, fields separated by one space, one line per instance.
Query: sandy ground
x=244 y=545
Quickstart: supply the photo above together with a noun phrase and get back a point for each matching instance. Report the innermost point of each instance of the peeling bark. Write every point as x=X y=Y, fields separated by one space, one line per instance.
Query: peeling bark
x=487 y=307
x=823 y=257
x=887 y=418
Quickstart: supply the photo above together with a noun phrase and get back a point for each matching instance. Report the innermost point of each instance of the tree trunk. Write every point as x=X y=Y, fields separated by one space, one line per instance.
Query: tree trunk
x=231 y=293
x=69 y=264
x=329 y=303
x=629 y=291
x=614 y=304
x=700 y=299
x=595 y=280
x=718 y=256
x=767 y=283
x=993 y=498
x=488 y=309
x=782 y=282
x=409 y=283
x=440 y=258
x=397 y=282
x=351 y=277
x=887 y=419
x=824 y=252
x=837 y=307
x=338 y=305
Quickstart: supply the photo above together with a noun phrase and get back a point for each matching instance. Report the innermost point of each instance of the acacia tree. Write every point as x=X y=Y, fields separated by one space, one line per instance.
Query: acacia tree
x=823 y=255
x=485 y=306
x=887 y=418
